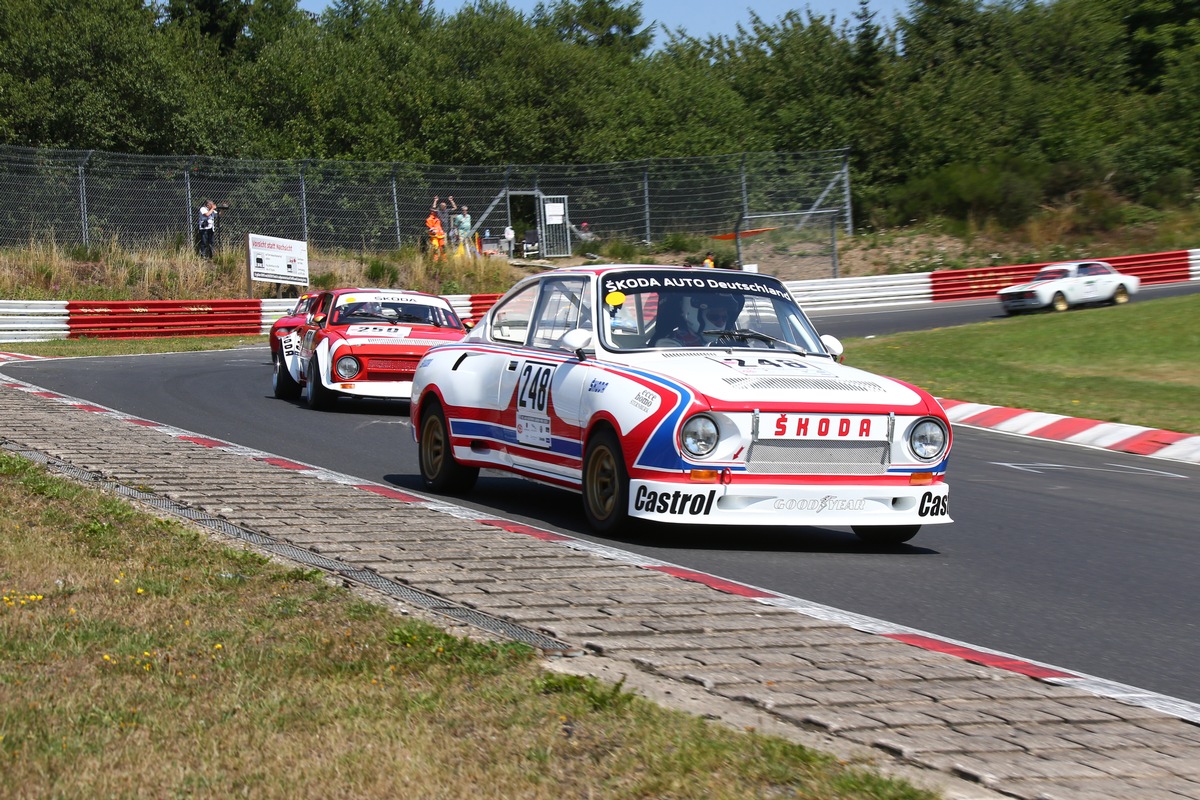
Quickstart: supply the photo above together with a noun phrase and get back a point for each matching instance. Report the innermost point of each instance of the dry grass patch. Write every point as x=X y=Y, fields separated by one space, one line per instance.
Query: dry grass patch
x=140 y=659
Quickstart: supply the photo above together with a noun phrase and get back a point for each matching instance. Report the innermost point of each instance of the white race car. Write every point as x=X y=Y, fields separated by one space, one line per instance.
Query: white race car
x=680 y=395
x=1071 y=283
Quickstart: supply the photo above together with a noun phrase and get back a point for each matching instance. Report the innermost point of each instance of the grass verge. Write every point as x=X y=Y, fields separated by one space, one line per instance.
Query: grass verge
x=140 y=658
x=1136 y=364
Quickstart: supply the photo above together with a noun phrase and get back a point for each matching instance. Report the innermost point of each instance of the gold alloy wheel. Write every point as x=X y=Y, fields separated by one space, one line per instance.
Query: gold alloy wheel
x=601 y=483
x=434 y=447
x=1121 y=295
x=1060 y=303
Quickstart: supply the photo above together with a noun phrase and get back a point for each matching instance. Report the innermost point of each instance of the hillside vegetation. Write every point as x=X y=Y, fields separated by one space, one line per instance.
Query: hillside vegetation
x=987 y=113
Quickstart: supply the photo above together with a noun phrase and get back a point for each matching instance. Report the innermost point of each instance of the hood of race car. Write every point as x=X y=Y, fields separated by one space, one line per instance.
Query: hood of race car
x=374 y=336
x=739 y=378
x=1024 y=287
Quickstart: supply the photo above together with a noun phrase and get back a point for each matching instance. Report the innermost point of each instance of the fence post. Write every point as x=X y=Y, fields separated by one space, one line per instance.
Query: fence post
x=646 y=199
x=833 y=242
x=303 y=203
x=745 y=193
x=187 y=211
x=396 y=211
x=83 y=214
x=846 y=189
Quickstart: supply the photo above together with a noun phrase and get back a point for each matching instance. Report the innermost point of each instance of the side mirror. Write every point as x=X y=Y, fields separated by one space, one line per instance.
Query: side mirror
x=834 y=346
x=576 y=341
x=318 y=319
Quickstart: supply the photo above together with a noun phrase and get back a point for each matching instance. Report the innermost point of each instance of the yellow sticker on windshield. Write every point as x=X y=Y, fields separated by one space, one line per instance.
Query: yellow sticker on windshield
x=615 y=299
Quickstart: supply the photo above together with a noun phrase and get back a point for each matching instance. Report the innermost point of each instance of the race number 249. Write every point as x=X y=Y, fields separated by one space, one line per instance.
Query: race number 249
x=533 y=388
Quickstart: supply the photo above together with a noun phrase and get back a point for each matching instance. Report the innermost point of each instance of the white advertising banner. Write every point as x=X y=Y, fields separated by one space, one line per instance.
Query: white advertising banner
x=273 y=260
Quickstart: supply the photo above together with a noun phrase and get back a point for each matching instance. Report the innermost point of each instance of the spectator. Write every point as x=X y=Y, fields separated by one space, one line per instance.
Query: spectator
x=510 y=239
x=709 y=261
x=462 y=226
x=437 y=234
x=443 y=214
x=207 y=223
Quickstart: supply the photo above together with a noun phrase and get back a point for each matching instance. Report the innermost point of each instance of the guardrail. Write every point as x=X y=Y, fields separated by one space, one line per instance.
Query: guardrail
x=35 y=321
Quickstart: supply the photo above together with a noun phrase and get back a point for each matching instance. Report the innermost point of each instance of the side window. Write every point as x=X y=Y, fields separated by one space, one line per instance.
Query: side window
x=565 y=306
x=510 y=321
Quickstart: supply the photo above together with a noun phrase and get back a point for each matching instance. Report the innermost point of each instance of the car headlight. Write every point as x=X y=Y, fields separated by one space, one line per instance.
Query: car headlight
x=927 y=439
x=346 y=367
x=700 y=435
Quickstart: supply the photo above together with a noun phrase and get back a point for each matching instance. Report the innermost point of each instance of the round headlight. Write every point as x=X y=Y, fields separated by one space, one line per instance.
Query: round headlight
x=346 y=367
x=927 y=439
x=700 y=435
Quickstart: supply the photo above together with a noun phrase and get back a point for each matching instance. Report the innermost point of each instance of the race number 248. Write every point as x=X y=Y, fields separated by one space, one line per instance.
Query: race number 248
x=533 y=388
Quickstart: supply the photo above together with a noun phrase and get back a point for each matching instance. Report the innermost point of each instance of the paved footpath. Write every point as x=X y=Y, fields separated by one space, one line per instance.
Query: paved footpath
x=969 y=723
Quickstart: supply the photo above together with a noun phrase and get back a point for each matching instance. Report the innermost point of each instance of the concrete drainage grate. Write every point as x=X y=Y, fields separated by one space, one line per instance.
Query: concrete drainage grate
x=407 y=594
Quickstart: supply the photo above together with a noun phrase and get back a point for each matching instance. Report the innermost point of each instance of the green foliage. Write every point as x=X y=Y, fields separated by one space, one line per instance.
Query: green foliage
x=381 y=273
x=974 y=110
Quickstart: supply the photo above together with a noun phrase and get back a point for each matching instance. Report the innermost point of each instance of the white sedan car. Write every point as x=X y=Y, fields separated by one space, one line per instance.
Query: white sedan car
x=1071 y=283
x=680 y=395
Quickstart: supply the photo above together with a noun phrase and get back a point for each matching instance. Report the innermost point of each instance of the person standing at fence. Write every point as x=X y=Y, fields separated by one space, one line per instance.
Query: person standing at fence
x=207 y=223
x=462 y=226
x=443 y=214
x=709 y=261
x=437 y=234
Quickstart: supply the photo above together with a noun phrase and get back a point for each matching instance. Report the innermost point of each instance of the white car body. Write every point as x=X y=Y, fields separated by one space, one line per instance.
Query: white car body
x=1068 y=284
x=800 y=438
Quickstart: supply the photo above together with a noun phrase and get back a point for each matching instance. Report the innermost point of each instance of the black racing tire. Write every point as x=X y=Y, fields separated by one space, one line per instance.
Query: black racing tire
x=1059 y=303
x=885 y=534
x=282 y=382
x=435 y=454
x=1120 y=296
x=605 y=482
x=320 y=398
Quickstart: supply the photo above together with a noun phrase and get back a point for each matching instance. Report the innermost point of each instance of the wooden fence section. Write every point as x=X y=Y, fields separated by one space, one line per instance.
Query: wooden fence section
x=964 y=284
x=153 y=318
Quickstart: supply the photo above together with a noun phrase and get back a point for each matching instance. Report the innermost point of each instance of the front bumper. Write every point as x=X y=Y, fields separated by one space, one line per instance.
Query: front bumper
x=390 y=390
x=823 y=505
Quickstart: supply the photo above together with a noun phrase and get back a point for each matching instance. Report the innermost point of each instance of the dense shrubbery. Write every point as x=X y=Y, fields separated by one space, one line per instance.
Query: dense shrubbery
x=973 y=111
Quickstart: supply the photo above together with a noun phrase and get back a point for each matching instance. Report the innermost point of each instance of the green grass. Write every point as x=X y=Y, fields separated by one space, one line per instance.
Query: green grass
x=1137 y=364
x=65 y=348
x=139 y=658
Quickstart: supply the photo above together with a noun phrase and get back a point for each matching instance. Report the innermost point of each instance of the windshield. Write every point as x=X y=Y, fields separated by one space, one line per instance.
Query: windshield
x=1051 y=274
x=661 y=309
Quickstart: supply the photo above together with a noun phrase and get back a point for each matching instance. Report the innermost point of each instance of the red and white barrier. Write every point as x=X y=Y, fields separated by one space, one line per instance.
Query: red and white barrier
x=44 y=320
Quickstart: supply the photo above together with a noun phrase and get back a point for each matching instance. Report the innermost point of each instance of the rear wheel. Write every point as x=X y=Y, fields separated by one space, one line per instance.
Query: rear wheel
x=282 y=382
x=1120 y=296
x=319 y=397
x=605 y=483
x=1059 y=303
x=885 y=534
x=439 y=470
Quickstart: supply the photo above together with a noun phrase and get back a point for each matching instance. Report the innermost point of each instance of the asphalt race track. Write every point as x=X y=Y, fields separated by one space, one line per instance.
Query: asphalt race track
x=1070 y=556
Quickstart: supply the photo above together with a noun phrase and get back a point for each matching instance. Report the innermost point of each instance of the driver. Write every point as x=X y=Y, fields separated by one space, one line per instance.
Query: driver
x=701 y=313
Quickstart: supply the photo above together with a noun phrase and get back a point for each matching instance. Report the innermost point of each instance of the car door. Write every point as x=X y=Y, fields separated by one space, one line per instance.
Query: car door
x=1089 y=283
x=542 y=387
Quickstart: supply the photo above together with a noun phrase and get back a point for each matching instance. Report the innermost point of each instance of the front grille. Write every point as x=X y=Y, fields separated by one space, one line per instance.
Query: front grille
x=817 y=457
x=391 y=369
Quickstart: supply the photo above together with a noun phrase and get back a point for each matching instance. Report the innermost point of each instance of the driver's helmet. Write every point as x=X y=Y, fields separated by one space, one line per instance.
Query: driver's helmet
x=709 y=312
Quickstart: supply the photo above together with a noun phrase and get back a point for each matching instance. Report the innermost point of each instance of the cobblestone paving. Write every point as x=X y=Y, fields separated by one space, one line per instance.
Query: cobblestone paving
x=981 y=732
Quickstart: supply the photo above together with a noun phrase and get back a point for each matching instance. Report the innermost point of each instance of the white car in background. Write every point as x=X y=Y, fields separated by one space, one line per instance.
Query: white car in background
x=1070 y=283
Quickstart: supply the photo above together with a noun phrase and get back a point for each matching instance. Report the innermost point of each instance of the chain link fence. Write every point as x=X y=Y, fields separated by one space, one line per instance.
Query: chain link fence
x=96 y=198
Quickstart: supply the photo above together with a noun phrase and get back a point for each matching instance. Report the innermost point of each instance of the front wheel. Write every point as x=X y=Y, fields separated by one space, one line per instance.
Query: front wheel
x=1059 y=303
x=435 y=453
x=1120 y=296
x=320 y=398
x=282 y=382
x=885 y=534
x=605 y=483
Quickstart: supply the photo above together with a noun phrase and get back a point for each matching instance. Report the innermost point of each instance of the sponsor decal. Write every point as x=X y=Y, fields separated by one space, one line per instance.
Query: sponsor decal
x=533 y=429
x=643 y=400
x=289 y=345
x=827 y=503
x=933 y=506
x=597 y=386
x=627 y=282
x=765 y=366
x=694 y=504
x=805 y=426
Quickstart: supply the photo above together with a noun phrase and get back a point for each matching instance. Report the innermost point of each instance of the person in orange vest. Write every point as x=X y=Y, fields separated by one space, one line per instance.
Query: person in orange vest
x=437 y=235
x=709 y=261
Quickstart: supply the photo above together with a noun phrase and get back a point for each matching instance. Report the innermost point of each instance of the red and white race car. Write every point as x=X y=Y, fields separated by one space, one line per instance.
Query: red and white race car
x=361 y=343
x=680 y=395
x=290 y=321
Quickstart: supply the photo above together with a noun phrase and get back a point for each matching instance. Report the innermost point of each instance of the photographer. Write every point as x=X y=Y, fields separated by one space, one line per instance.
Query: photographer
x=208 y=225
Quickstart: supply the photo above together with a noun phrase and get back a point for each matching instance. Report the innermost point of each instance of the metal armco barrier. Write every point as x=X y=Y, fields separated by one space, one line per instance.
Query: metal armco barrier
x=964 y=284
x=37 y=321
x=153 y=318
x=32 y=320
